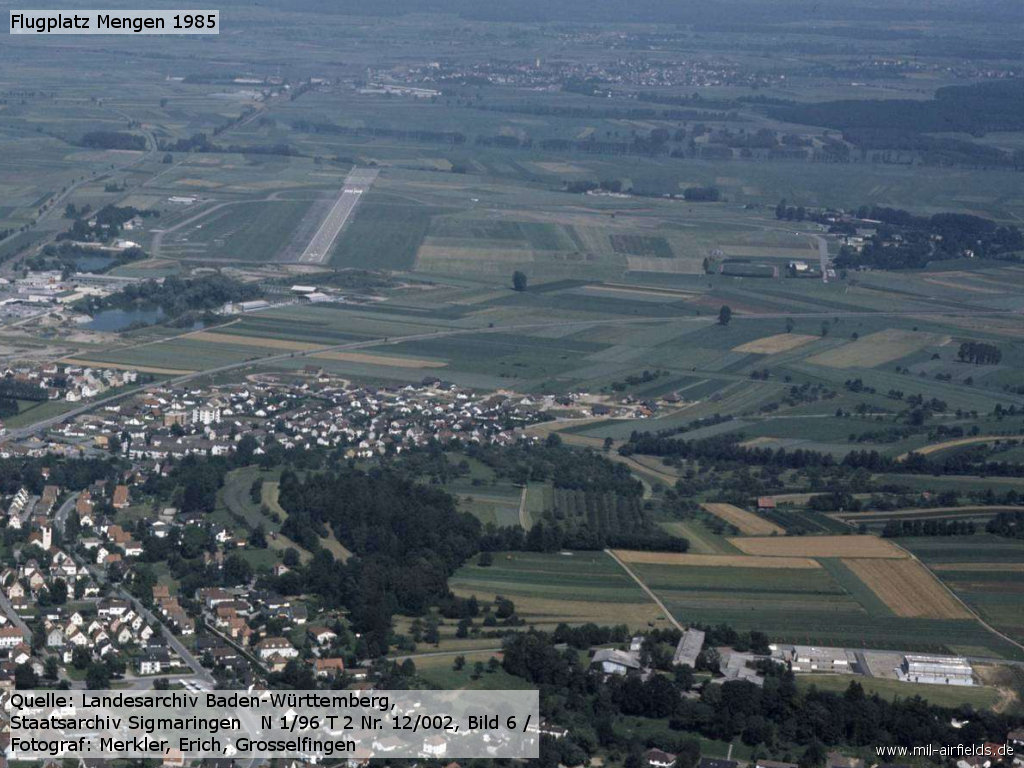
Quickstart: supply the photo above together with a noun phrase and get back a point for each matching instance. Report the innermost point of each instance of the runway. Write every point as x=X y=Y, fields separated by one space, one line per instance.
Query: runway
x=356 y=184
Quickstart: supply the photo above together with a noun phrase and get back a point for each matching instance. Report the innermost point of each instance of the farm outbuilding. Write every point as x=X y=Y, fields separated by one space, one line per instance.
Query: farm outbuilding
x=689 y=648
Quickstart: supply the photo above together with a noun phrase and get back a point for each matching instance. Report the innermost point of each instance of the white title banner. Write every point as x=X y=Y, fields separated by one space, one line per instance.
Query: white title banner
x=90 y=22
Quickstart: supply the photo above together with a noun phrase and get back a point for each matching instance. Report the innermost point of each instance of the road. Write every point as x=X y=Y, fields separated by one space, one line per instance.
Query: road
x=15 y=619
x=198 y=669
x=357 y=182
x=668 y=614
x=61 y=517
x=55 y=208
x=523 y=522
x=822 y=256
x=40 y=426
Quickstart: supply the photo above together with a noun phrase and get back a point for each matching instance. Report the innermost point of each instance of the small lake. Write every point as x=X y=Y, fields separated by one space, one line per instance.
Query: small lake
x=119 y=319
x=93 y=263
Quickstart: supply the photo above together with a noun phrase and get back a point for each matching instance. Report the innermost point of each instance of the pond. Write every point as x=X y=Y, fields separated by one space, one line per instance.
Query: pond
x=93 y=263
x=119 y=319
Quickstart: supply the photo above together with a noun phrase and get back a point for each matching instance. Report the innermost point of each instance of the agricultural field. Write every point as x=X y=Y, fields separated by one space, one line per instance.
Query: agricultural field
x=907 y=588
x=816 y=600
x=878 y=348
x=983 y=570
x=572 y=587
x=746 y=522
x=772 y=345
x=819 y=546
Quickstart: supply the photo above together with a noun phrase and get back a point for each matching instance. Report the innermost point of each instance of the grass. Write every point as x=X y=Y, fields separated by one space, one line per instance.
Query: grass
x=548 y=589
x=383 y=233
x=980 y=697
x=439 y=671
x=246 y=231
x=830 y=607
x=31 y=411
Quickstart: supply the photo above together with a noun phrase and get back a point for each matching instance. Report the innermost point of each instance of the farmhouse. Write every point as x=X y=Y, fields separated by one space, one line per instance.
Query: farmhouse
x=939 y=670
x=615 y=662
x=657 y=758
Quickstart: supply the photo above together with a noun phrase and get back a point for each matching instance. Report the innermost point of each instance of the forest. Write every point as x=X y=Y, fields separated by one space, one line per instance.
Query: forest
x=177 y=296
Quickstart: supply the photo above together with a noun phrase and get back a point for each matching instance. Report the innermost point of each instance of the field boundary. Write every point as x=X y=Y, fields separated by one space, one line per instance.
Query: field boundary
x=650 y=593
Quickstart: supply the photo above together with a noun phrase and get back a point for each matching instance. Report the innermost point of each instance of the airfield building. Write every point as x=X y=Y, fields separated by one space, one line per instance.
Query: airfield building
x=937 y=670
x=810 y=658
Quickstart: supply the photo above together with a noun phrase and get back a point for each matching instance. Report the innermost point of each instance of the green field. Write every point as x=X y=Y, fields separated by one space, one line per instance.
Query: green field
x=548 y=589
x=827 y=607
x=980 y=697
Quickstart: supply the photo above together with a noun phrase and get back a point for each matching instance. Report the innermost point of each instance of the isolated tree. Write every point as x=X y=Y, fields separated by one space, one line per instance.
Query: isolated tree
x=724 y=315
x=519 y=281
x=790 y=324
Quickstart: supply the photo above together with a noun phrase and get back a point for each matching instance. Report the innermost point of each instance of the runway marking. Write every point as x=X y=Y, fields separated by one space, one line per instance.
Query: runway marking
x=357 y=182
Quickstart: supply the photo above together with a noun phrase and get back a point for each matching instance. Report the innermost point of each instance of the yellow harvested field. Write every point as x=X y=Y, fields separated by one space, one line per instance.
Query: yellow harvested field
x=252 y=341
x=747 y=522
x=125 y=367
x=908 y=589
x=551 y=167
x=771 y=345
x=936 y=447
x=818 y=546
x=878 y=348
x=385 y=360
x=991 y=567
x=714 y=561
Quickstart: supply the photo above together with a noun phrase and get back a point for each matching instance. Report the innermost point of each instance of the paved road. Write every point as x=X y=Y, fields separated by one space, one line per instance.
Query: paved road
x=193 y=663
x=61 y=518
x=15 y=619
x=822 y=256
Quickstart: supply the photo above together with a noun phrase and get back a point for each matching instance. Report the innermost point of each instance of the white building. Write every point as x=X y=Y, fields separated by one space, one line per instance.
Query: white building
x=206 y=415
x=937 y=670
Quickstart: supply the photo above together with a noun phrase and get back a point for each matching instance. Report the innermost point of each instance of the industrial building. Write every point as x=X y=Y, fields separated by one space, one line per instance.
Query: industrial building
x=810 y=658
x=689 y=648
x=936 y=670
